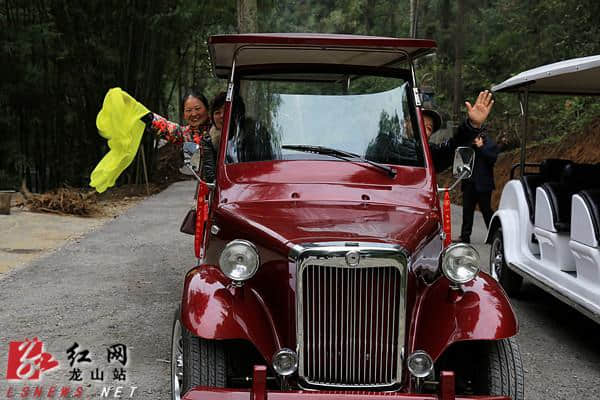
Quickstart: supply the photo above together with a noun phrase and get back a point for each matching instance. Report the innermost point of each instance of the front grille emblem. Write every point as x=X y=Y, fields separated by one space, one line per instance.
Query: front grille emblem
x=352 y=258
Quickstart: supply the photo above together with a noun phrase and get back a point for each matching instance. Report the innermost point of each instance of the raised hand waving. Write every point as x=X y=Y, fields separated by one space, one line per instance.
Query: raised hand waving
x=479 y=112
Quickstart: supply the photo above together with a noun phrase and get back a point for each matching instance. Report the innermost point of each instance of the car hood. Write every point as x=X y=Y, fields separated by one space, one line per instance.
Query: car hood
x=284 y=224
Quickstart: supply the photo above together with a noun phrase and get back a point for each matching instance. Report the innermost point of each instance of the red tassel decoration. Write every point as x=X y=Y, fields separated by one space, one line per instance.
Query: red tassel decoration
x=447 y=224
x=201 y=217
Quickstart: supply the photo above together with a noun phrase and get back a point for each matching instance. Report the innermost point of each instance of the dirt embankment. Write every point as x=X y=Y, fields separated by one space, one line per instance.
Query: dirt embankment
x=582 y=147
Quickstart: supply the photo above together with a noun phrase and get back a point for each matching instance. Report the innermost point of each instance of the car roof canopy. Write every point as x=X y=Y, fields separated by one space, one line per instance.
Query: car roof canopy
x=578 y=76
x=307 y=48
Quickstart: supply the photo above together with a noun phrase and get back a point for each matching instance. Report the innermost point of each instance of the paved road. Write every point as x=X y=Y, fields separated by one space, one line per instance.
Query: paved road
x=118 y=284
x=121 y=283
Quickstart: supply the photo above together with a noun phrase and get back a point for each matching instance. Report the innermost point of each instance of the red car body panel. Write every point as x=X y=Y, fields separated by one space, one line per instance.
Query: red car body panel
x=213 y=308
x=479 y=310
x=206 y=393
x=258 y=391
x=304 y=201
x=287 y=223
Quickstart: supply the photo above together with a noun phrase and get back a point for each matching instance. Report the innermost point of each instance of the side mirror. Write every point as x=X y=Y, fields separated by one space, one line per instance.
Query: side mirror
x=191 y=158
x=462 y=168
x=464 y=159
x=191 y=162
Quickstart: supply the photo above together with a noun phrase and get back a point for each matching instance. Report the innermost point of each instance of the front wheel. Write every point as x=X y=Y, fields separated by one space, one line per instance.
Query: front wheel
x=487 y=368
x=505 y=369
x=204 y=362
x=194 y=361
x=510 y=280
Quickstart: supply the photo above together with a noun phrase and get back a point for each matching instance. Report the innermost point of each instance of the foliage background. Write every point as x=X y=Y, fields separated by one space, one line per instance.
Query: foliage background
x=59 y=57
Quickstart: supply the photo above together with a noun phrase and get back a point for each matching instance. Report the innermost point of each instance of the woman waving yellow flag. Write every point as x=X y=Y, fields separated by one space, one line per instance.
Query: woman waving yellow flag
x=119 y=122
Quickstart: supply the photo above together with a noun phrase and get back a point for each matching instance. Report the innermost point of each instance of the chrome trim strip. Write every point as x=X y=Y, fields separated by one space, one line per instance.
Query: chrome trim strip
x=319 y=321
x=295 y=251
x=335 y=330
x=347 y=335
x=330 y=301
x=376 y=369
x=373 y=256
x=360 y=302
x=353 y=337
x=370 y=331
x=387 y=337
x=394 y=350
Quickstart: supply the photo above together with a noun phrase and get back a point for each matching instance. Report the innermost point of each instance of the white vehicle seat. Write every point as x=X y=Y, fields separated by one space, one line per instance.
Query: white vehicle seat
x=553 y=212
x=552 y=225
x=585 y=235
x=556 y=215
x=550 y=171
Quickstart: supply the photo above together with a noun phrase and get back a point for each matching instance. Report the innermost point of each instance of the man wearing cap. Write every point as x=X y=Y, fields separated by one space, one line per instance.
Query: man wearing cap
x=478 y=189
x=443 y=153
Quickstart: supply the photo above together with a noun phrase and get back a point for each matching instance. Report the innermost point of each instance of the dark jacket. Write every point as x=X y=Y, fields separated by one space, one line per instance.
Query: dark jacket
x=443 y=153
x=483 y=169
x=209 y=159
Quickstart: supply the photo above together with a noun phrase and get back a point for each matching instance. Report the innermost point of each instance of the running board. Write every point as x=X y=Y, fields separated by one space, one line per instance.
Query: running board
x=550 y=290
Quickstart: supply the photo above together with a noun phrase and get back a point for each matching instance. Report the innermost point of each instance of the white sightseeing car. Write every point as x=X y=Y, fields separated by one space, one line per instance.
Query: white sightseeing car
x=547 y=227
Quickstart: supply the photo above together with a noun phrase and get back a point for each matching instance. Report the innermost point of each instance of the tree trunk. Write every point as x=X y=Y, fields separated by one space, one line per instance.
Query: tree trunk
x=458 y=59
x=445 y=12
x=368 y=16
x=413 y=18
x=247 y=16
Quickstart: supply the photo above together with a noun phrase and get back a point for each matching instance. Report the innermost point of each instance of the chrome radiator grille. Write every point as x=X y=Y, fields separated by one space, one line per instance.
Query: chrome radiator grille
x=352 y=322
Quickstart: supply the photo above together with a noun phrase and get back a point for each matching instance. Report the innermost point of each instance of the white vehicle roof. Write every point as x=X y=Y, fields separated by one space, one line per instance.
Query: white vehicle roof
x=578 y=76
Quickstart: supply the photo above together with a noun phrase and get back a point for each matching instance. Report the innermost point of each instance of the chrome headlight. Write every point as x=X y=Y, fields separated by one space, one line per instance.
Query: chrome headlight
x=239 y=260
x=419 y=364
x=285 y=362
x=460 y=263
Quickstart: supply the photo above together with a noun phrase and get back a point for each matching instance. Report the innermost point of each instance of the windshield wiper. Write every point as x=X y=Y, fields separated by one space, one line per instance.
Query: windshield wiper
x=341 y=154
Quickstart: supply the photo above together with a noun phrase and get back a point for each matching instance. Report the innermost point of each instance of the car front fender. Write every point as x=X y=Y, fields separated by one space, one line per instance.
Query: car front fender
x=479 y=310
x=212 y=308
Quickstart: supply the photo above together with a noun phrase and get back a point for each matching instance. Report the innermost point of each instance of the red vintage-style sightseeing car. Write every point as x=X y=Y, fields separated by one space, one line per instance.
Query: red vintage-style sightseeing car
x=322 y=269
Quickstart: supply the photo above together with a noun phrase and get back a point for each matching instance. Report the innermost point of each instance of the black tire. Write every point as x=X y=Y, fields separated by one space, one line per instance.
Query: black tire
x=486 y=368
x=204 y=362
x=505 y=369
x=510 y=280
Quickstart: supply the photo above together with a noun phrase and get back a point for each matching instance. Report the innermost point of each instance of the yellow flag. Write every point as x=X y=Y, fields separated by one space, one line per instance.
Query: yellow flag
x=119 y=122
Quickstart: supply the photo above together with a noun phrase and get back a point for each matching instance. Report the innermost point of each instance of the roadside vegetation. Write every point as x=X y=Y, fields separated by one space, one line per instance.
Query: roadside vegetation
x=579 y=145
x=60 y=58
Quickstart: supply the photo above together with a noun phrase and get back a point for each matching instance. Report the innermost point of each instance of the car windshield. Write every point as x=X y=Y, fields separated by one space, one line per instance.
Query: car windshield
x=286 y=116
